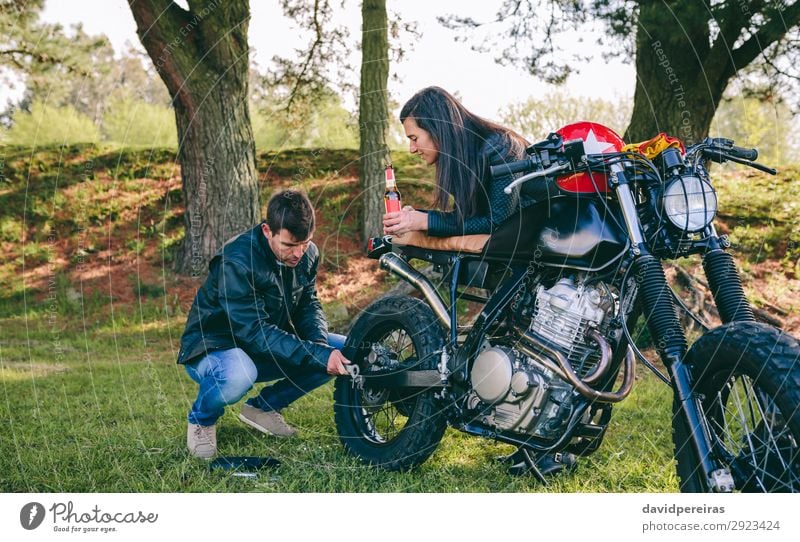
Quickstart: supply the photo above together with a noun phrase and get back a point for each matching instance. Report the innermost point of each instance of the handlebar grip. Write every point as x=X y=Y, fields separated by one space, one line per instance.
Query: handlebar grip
x=745 y=154
x=526 y=164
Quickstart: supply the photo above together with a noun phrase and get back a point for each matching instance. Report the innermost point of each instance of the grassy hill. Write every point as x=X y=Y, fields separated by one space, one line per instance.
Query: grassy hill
x=91 y=315
x=91 y=226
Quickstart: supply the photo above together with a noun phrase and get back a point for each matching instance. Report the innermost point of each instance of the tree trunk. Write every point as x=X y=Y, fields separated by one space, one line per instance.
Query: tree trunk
x=220 y=187
x=202 y=57
x=373 y=113
x=677 y=90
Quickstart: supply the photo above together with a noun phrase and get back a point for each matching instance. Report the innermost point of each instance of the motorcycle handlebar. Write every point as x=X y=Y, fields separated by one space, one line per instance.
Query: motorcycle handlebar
x=744 y=154
x=715 y=154
x=720 y=146
x=526 y=164
x=734 y=154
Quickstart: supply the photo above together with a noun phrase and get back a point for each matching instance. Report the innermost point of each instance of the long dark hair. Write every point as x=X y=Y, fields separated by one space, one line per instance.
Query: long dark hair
x=460 y=136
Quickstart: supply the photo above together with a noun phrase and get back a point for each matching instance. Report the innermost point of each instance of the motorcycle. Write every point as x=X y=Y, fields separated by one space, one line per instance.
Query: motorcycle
x=561 y=286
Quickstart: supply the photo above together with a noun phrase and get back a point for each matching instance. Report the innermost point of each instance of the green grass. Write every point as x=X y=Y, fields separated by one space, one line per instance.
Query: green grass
x=79 y=195
x=762 y=213
x=104 y=410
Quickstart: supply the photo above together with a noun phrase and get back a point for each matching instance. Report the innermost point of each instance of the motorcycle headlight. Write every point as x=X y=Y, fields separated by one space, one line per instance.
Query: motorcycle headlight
x=690 y=203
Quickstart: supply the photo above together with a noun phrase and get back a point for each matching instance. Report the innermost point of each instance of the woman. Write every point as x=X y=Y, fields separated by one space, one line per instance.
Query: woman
x=463 y=146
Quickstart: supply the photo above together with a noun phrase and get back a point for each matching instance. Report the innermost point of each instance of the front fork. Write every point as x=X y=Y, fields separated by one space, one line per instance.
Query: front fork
x=724 y=281
x=668 y=334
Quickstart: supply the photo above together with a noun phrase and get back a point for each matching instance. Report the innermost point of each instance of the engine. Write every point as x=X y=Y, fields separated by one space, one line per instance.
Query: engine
x=515 y=392
x=564 y=314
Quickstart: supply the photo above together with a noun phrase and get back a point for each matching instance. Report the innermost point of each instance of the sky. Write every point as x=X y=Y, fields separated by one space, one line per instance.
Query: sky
x=435 y=59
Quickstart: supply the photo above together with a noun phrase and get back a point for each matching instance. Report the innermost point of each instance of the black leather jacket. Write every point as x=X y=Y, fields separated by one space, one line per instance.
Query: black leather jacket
x=250 y=301
x=500 y=206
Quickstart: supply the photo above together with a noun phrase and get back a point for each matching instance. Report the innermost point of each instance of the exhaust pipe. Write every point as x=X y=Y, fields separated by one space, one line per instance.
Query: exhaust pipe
x=554 y=360
x=395 y=264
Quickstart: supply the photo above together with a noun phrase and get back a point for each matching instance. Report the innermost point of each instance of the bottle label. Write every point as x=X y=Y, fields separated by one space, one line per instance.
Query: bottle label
x=391 y=197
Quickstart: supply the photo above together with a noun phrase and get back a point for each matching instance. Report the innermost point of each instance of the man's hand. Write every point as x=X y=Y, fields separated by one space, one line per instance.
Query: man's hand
x=404 y=221
x=336 y=363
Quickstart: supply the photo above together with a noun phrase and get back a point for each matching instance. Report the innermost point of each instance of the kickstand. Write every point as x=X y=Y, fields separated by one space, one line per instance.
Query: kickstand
x=530 y=463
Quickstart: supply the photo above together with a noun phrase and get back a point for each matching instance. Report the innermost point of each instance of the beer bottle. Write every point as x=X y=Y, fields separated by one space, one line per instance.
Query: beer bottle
x=392 y=196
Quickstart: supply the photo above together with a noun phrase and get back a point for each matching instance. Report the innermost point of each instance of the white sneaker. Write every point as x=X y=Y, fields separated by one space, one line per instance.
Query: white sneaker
x=202 y=440
x=271 y=423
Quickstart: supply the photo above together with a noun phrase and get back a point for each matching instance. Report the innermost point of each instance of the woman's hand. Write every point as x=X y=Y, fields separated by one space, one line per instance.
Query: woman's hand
x=405 y=220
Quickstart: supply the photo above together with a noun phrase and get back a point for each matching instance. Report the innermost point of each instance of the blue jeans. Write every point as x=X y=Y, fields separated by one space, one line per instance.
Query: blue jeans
x=225 y=376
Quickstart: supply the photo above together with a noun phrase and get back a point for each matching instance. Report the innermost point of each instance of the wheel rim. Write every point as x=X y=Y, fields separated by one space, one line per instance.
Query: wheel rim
x=753 y=434
x=383 y=414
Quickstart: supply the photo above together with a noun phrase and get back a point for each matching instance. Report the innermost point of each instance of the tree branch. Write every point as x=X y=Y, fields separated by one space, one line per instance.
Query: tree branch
x=217 y=22
x=44 y=58
x=734 y=20
x=154 y=20
x=309 y=57
x=39 y=57
x=773 y=30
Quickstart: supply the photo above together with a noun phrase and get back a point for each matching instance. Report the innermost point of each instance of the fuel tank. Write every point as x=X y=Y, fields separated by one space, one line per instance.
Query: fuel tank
x=583 y=232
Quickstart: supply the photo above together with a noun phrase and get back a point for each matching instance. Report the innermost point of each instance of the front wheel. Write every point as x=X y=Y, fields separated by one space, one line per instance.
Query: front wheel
x=392 y=429
x=747 y=376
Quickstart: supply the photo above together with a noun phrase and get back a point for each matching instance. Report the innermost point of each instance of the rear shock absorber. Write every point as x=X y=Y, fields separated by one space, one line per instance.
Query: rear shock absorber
x=726 y=287
x=658 y=309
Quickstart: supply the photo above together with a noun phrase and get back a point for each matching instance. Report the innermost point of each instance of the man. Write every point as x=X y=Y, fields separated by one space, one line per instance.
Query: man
x=256 y=319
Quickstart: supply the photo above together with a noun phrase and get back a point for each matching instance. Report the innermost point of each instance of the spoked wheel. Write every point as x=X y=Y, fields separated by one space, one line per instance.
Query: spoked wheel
x=388 y=428
x=385 y=412
x=748 y=378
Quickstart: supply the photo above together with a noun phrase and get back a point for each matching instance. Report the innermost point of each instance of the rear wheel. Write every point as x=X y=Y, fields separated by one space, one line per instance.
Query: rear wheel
x=392 y=429
x=747 y=376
